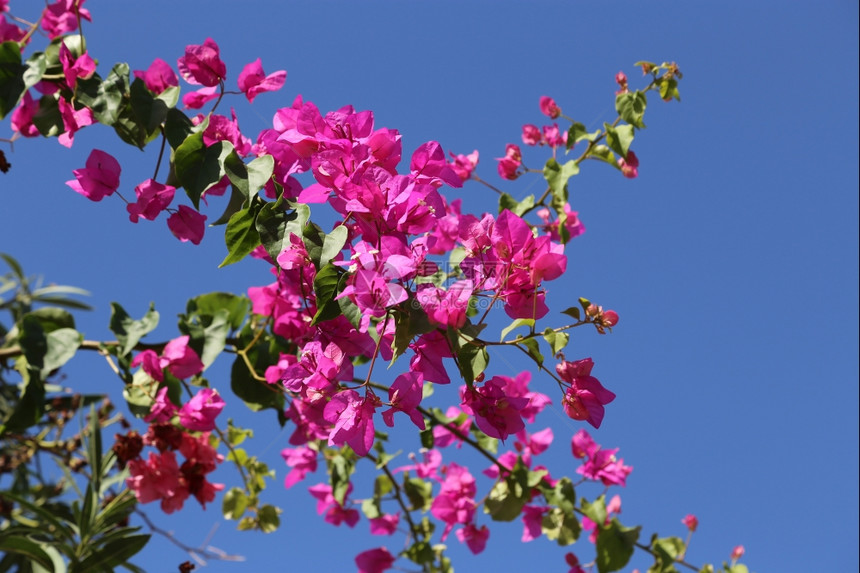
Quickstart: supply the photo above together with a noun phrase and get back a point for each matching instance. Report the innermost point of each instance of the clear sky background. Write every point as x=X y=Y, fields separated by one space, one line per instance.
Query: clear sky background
x=732 y=259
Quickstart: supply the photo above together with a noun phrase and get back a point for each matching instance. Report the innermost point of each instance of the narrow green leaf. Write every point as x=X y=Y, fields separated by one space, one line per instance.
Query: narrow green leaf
x=241 y=236
x=516 y=324
x=113 y=553
x=22 y=545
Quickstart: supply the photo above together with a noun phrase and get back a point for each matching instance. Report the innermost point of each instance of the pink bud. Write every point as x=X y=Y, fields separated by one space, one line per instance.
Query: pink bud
x=610 y=318
x=737 y=552
x=691 y=521
x=549 y=108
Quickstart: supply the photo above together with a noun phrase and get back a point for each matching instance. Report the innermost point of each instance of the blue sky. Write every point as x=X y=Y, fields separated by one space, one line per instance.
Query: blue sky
x=732 y=259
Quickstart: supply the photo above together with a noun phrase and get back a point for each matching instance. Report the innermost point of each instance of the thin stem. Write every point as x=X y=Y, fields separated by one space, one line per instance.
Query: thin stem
x=160 y=154
x=199 y=554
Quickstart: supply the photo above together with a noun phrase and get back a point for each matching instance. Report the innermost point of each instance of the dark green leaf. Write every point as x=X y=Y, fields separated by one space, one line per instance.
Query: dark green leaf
x=577 y=133
x=419 y=492
x=256 y=394
x=47 y=118
x=22 y=545
x=198 y=167
x=114 y=553
x=573 y=312
x=105 y=98
x=241 y=236
x=314 y=239
x=11 y=77
x=129 y=331
x=533 y=349
x=177 y=127
x=325 y=289
x=209 y=305
x=269 y=518
x=234 y=205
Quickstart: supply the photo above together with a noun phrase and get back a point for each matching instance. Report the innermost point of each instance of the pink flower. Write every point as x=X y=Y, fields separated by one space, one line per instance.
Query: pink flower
x=464 y=165
x=10 y=32
x=335 y=513
x=73 y=121
x=604 y=466
x=202 y=65
x=199 y=413
x=475 y=538
x=455 y=502
x=446 y=308
x=22 y=117
x=496 y=411
x=302 y=460
x=99 y=178
x=737 y=552
x=510 y=164
x=405 y=395
x=157 y=478
x=374 y=560
x=532 y=522
x=62 y=16
x=180 y=359
x=585 y=398
x=531 y=134
x=573 y=563
x=691 y=522
x=385 y=524
x=629 y=166
x=549 y=108
x=197 y=99
x=162 y=410
x=253 y=81
x=73 y=68
x=621 y=80
x=583 y=445
x=158 y=77
x=152 y=199
x=186 y=224
x=353 y=420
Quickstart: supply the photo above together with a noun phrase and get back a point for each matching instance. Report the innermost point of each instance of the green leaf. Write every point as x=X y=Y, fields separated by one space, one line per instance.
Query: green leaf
x=114 y=553
x=518 y=208
x=21 y=545
x=36 y=66
x=340 y=469
x=631 y=107
x=234 y=504
x=325 y=289
x=665 y=551
x=105 y=98
x=12 y=72
x=508 y=497
x=595 y=510
x=333 y=244
x=241 y=236
x=472 y=360
x=210 y=304
x=129 y=331
x=272 y=223
x=234 y=205
x=530 y=322
x=615 y=544
x=62 y=345
x=533 y=349
x=573 y=312
x=177 y=127
x=619 y=138
x=410 y=321
x=577 y=133
x=256 y=394
x=250 y=178
x=419 y=492
x=557 y=177
x=560 y=526
x=48 y=119
x=52 y=318
x=269 y=518
x=139 y=122
x=556 y=340
x=198 y=167
x=314 y=239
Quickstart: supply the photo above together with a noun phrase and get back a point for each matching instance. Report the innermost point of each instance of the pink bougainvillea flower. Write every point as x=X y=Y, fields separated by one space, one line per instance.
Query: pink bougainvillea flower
x=186 y=224
x=573 y=562
x=22 y=117
x=152 y=198
x=202 y=65
x=158 y=478
x=531 y=134
x=10 y=32
x=385 y=524
x=585 y=398
x=200 y=459
x=73 y=68
x=532 y=522
x=352 y=417
x=197 y=99
x=549 y=108
x=496 y=410
x=583 y=445
x=99 y=178
x=199 y=413
x=335 y=513
x=509 y=165
x=180 y=359
x=475 y=538
x=158 y=77
x=62 y=17
x=73 y=121
x=464 y=165
x=253 y=81
x=604 y=466
x=691 y=521
x=405 y=396
x=737 y=552
x=374 y=560
x=629 y=166
x=621 y=80
x=302 y=460
x=162 y=409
